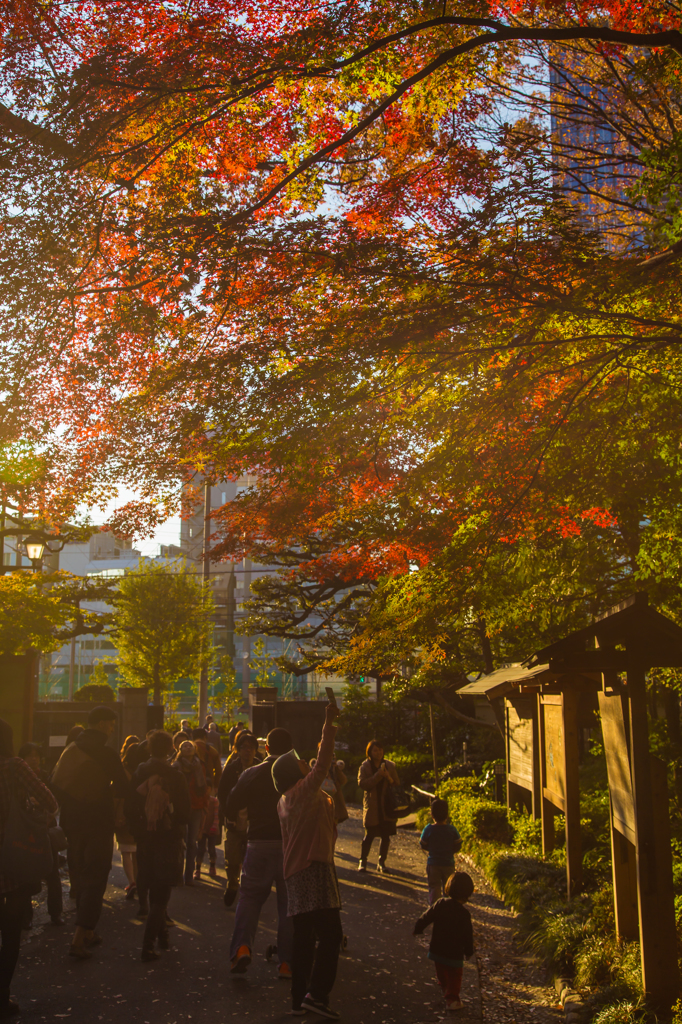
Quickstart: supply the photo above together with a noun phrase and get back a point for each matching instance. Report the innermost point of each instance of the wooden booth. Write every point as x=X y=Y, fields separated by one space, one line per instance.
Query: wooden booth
x=618 y=649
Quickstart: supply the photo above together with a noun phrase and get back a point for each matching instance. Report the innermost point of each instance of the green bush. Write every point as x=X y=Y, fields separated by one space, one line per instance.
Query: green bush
x=411 y=765
x=618 y=1013
x=98 y=693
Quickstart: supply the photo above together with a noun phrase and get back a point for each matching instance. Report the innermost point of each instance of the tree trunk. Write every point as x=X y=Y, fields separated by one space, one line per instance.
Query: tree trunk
x=157 y=685
x=486 y=649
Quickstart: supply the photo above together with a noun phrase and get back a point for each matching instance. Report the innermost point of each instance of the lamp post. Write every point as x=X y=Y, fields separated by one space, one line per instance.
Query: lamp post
x=34 y=546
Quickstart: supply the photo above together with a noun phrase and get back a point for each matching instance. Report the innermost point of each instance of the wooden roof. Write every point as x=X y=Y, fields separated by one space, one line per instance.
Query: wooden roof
x=504 y=680
x=631 y=632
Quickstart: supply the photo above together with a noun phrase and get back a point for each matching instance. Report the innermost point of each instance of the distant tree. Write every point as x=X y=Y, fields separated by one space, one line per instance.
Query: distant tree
x=163 y=625
x=231 y=696
x=262 y=664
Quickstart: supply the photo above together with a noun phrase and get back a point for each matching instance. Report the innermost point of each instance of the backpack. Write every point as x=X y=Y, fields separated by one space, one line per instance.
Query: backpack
x=157 y=804
x=80 y=776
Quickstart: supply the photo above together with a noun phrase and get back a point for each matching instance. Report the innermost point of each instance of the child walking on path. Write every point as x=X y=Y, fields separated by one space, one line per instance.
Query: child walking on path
x=452 y=939
x=442 y=841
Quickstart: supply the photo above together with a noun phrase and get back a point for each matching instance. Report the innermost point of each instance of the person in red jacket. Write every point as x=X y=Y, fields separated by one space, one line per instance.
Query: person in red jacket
x=307 y=818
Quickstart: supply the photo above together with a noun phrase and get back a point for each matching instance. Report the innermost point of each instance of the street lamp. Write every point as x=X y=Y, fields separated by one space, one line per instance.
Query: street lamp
x=34 y=546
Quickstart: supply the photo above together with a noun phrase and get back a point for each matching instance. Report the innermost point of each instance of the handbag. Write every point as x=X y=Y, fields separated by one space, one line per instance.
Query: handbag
x=396 y=803
x=26 y=853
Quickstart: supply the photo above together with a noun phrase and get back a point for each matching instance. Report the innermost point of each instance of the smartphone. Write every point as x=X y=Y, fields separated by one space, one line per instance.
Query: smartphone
x=330 y=695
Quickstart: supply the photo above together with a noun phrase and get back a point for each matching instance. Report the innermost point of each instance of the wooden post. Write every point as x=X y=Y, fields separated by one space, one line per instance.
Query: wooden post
x=658 y=939
x=624 y=870
x=547 y=811
x=537 y=781
x=574 y=854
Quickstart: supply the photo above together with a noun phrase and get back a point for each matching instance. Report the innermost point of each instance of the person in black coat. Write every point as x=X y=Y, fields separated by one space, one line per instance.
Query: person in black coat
x=452 y=939
x=157 y=810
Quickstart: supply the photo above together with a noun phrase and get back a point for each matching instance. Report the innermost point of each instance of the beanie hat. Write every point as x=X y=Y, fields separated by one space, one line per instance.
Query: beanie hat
x=286 y=771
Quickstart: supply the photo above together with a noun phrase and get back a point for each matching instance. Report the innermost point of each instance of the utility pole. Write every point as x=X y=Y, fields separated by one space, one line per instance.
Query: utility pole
x=206 y=572
x=72 y=666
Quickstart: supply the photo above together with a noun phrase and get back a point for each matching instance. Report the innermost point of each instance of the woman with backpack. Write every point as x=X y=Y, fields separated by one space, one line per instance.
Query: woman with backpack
x=157 y=809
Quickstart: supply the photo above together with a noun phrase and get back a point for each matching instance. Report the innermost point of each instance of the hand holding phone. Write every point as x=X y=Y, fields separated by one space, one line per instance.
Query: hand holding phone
x=331 y=697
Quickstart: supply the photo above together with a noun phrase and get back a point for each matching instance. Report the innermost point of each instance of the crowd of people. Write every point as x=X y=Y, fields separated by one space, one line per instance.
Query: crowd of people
x=168 y=799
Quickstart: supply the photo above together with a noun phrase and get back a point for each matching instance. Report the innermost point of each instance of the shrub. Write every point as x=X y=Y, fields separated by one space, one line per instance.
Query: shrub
x=618 y=1013
x=411 y=765
x=99 y=693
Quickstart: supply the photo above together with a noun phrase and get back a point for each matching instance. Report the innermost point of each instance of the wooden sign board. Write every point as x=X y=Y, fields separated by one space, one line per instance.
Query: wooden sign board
x=554 y=755
x=618 y=765
x=520 y=741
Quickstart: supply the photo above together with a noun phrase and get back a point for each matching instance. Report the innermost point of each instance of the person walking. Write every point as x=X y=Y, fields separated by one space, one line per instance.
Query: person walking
x=263 y=861
x=125 y=840
x=442 y=841
x=235 y=831
x=210 y=759
x=375 y=777
x=452 y=939
x=190 y=767
x=17 y=781
x=30 y=753
x=307 y=817
x=85 y=780
x=157 y=809
x=214 y=738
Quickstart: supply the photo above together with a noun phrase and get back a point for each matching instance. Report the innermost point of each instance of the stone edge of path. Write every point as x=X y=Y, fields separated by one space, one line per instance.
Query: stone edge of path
x=573 y=1005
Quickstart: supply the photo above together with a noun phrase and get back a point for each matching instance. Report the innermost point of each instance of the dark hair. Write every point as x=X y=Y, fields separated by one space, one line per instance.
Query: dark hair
x=73 y=733
x=439 y=809
x=160 y=743
x=29 y=748
x=199 y=734
x=279 y=742
x=373 y=743
x=245 y=737
x=179 y=738
x=101 y=714
x=459 y=886
x=128 y=742
x=6 y=739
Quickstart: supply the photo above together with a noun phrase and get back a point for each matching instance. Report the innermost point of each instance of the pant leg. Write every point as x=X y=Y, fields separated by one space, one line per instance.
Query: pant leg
x=366 y=846
x=201 y=850
x=12 y=907
x=96 y=851
x=55 y=904
x=285 y=928
x=256 y=882
x=212 y=842
x=235 y=850
x=159 y=895
x=327 y=925
x=302 y=956
x=450 y=981
x=437 y=877
x=383 y=849
x=75 y=856
x=192 y=835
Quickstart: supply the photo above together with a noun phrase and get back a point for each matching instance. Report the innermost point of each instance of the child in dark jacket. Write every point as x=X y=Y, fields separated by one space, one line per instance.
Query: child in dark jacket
x=452 y=939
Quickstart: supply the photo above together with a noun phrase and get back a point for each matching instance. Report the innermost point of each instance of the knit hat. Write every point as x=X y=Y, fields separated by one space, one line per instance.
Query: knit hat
x=286 y=771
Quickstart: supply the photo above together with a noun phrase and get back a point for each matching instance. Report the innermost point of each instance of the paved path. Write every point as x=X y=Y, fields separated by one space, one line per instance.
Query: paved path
x=384 y=976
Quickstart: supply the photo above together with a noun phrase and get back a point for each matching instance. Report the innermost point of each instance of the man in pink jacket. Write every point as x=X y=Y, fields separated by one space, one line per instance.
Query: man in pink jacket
x=306 y=815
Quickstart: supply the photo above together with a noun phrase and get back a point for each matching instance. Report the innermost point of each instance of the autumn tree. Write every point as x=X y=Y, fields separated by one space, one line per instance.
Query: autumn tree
x=162 y=624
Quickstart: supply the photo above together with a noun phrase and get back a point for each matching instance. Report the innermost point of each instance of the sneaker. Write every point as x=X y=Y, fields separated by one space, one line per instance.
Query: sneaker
x=212 y=873
x=456 y=1004
x=229 y=896
x=285 y=972
x=131 y=891
x=362 y=866
x=241 y=961
x=148 y=955
x=197 y=874
x=296 y=1011
x=319 y=1007
x=382 y=869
